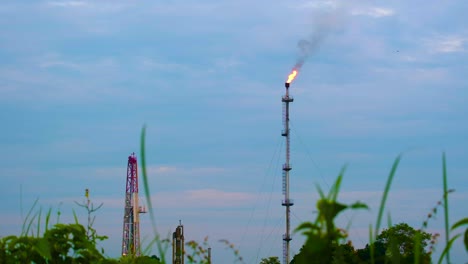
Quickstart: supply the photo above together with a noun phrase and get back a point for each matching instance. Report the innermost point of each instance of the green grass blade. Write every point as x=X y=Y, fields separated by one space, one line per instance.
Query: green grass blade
x=39 y=222
x=465 y=239
x=28 y=227
x=417 y=247
x=157 y=239
x=333 y=195
x=145 y=180
x=319 y=190
x=48 y=218
x=371 y=244
x=446 y=208
x=382 y=206
x=27 y=217
x=75 y=217
x=21 y=202
x=464 y=221
x=447 y=248
x=385 y=194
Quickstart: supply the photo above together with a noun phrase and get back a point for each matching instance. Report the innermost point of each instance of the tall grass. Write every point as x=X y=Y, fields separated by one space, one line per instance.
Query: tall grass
x=373 y=237
x=161 y=246
x=446 y=207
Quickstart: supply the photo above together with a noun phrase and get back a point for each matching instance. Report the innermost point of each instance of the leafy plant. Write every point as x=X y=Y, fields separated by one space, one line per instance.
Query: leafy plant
x=323 y=237
x=63 y=243
x=270 y=260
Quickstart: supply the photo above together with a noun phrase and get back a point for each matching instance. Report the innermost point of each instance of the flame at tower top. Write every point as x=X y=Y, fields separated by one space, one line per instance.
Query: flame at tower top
x=291 y=77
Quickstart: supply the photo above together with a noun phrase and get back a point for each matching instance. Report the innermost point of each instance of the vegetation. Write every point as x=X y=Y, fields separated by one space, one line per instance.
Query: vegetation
x=323 y=237
x=270 y=260
x=397 y=245
x=325 y=242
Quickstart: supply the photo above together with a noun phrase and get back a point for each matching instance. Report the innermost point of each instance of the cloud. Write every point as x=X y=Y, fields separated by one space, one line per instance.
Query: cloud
x=59 y=64
x=90 y=6
x=187 y=199
x=446 y=44
x=376 y=12
x=174 y=171
x=214 y=197
x=152 y=64
x=325 y=4
x=227 y=63
x=68 y=3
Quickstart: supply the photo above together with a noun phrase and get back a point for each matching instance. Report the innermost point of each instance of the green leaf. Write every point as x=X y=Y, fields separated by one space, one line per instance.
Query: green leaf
x=447 y=248
x=47 y=219
x=75 y=216
x=43 y=248
x=319 y=190
x=465 y=240
x=39 y=222
x=145 y=179
x=463 y=221
x=359 y=205
x=306 y=225
x=335 y=189
x=24 y=229
x=385 y=194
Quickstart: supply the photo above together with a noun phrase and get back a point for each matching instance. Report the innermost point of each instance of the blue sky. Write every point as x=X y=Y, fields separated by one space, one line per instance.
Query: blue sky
x=79 y=79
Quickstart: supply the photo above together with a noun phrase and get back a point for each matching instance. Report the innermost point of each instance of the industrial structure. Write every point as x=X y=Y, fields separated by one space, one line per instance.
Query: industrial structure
x=287 y=202
x=131 y=221
x=178 y=245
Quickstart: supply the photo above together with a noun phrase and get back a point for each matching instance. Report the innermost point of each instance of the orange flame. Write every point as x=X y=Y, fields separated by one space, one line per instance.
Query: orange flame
x=291 y=76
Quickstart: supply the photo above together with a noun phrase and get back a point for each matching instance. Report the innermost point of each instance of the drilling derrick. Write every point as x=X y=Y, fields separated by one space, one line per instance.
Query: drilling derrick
x=178 y=245
x=286 y=99
x=131 y=221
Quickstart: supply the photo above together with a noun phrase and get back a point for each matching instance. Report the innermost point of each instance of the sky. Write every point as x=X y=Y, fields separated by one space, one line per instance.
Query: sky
x=79 y=79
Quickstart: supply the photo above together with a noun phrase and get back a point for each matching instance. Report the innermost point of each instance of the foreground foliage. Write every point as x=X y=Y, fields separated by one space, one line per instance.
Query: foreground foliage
x=323 y=237
x=64 y=243
x=325 y=242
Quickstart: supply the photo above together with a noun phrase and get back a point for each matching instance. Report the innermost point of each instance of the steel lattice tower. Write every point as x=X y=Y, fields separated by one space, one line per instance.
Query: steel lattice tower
x=286 y=168
x=131 y=221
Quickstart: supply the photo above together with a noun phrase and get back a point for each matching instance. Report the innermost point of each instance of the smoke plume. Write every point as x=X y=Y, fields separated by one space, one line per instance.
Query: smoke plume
x=308 y=46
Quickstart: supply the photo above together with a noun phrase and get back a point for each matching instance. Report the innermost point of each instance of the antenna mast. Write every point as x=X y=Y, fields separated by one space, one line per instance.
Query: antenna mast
x=286 y=168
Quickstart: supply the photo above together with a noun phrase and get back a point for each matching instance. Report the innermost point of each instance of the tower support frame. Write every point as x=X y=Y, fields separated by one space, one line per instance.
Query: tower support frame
x=131 y=220
x=287 y=202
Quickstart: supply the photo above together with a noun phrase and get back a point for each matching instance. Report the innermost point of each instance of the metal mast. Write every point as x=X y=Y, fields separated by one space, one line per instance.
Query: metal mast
x=178 y=250
x=131 y=221
x=286 y=168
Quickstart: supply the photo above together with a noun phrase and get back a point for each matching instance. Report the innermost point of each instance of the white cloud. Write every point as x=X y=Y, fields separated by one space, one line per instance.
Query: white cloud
x=376 y=12
x=446 y=44
x=64 y=64
x=218 y=197
x=72 y=3
x=152 y=64
x=197 y=198
x=325 y=4
x=227 y=63
x=174 y=171
x=93 y=6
